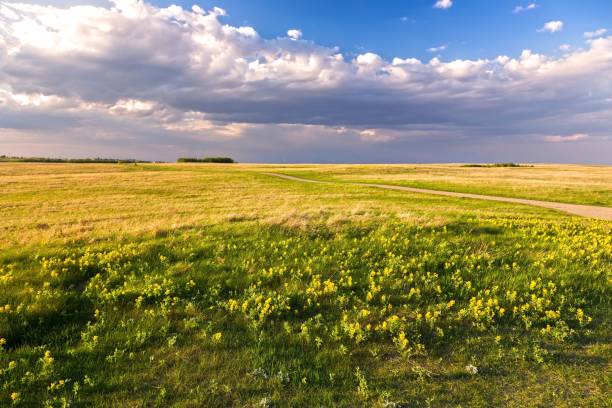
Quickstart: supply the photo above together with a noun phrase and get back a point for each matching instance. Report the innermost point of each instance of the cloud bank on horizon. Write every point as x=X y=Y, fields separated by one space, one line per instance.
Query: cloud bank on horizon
x=137 y=80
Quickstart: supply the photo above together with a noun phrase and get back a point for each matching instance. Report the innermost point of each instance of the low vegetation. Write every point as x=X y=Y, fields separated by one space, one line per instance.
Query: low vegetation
x=19 y=159
x=205 y=160
x=224 y=287
x=497 y=165
x=563 y=183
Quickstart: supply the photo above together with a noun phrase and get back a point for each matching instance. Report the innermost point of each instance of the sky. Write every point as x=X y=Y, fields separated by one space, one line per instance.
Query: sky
x=307 y=81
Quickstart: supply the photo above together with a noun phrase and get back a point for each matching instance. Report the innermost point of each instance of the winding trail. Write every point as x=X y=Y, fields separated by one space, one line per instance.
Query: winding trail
x=590 y=211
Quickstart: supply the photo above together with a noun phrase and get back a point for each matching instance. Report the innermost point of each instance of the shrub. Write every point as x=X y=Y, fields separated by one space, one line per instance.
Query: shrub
x=205 y=160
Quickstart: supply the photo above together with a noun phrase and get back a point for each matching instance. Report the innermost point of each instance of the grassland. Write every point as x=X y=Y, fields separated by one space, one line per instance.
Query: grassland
x=562 y=183
x=215 y=285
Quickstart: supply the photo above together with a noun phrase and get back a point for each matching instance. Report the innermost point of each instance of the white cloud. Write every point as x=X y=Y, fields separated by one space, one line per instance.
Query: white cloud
x=369 y=59
x=552 y=26
x=520 y=9
x=596 y=33
x=460 y=69
x=132 y=106
x=437 y=49
x=565 y=47
x=443 y=4
x=247 y=31
x=294 y=34
x=569 y=138
x=376 y=136
x=139 y=75
x=369 y=63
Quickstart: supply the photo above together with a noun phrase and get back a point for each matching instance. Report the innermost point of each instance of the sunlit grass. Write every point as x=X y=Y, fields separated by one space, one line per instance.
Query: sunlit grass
x=200 y=285
x=563 y=183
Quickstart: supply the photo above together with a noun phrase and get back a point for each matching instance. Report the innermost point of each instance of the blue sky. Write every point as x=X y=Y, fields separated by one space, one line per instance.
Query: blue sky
x=361 y=81
x=470 y=28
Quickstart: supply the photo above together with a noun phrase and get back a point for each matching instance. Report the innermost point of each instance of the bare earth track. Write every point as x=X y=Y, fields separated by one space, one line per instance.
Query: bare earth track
x=590 y=211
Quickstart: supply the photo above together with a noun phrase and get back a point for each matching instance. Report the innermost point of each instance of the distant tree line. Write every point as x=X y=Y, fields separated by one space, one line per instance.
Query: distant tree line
x=498 y=165
x=4 y=158
x=205 y=160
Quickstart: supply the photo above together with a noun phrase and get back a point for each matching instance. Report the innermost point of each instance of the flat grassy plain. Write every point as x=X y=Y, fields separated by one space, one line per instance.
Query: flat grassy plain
x=574 y=184
x=216 y=285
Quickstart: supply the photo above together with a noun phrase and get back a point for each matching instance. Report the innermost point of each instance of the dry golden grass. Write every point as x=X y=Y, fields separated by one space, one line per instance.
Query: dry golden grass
x=578 y=184
x=49 y=202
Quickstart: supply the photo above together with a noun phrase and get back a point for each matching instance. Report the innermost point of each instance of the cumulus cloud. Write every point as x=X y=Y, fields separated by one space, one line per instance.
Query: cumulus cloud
x=552 y=26
x=568 y=138
x=443 y=4
x=134 y=77
x=520 y=9
x=565 y=47
x=294 y=34
x=596 y=33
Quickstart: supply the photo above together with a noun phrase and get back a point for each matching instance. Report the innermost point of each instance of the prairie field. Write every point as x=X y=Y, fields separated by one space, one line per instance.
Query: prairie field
x=577 y=184
x=195 y=285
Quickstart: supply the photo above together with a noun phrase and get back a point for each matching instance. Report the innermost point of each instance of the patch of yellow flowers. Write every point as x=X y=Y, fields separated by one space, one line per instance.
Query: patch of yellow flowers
x=406 y=287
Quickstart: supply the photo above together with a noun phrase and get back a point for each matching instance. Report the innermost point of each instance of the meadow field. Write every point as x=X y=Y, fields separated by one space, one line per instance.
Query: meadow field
x=217 y=285
x=576 y=184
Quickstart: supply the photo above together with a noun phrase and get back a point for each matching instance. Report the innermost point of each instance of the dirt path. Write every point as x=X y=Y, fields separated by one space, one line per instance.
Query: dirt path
x=591 y=211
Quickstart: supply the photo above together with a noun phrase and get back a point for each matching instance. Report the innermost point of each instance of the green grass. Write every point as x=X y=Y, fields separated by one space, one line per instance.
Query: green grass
x=211 y=285
x=562 y=183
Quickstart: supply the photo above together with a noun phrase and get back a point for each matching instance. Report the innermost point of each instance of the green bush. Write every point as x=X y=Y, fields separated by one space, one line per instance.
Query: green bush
x=205 y=160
